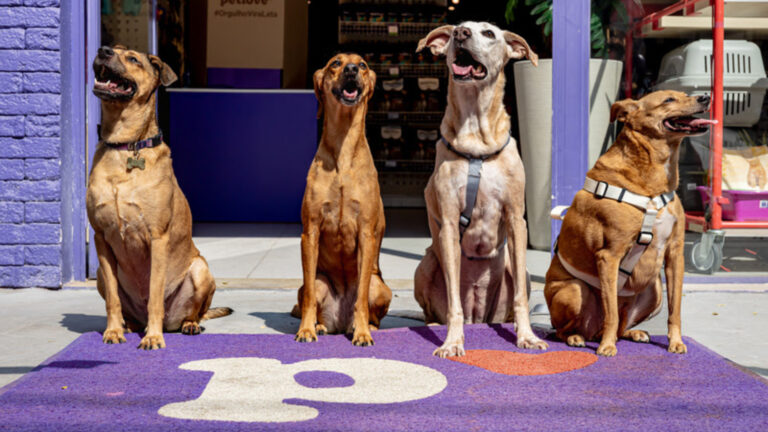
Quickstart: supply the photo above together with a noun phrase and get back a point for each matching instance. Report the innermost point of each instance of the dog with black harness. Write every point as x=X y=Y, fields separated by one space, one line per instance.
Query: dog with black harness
x=475 y=271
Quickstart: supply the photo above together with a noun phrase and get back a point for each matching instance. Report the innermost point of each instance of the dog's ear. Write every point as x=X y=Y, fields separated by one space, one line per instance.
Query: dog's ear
x=371 y=83
x=622 y=109
x=518 y=48
x=167 y=75
x=436 y=40
x=317 y=79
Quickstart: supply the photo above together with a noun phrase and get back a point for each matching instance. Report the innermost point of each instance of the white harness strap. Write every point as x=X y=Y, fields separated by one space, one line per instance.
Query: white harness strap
x=650 y=207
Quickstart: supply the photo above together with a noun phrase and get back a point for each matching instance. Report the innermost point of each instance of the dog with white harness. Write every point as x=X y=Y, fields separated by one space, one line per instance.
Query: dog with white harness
x=475 y=269
x=605 y=276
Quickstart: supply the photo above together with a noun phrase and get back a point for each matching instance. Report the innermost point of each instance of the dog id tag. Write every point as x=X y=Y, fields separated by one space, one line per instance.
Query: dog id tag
x=135 y=163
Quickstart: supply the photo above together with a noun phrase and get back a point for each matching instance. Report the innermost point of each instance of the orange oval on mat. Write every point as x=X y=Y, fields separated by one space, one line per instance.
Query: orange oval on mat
x=515 y=363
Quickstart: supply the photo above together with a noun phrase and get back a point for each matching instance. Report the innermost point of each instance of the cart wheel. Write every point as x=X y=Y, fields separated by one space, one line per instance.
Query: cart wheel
x=709 y=263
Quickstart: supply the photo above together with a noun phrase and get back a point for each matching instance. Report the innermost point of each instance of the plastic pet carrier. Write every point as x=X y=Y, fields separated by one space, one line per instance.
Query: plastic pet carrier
x=689 y=68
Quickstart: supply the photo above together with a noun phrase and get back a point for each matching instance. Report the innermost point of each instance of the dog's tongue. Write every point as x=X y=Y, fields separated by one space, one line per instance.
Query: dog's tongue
x=702 y=122
x=349 y=94
x=461 y=70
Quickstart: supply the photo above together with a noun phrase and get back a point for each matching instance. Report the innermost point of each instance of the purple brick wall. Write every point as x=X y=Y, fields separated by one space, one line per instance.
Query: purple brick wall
x=30 y=166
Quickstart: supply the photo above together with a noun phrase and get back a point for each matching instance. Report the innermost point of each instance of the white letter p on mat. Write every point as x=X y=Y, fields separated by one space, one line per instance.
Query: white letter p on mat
x=253 y=389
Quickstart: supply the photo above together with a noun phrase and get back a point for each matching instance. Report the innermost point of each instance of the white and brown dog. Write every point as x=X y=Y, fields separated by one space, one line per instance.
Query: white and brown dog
x=468 y=275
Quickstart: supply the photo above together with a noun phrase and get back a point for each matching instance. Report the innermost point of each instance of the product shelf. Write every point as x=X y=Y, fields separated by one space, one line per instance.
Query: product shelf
x=383 y=32
x=411 y=117
x=441 y=3
x=435 y=70
x=687 y=17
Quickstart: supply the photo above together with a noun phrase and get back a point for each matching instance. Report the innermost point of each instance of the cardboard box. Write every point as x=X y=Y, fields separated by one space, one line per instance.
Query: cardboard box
x=257 y=43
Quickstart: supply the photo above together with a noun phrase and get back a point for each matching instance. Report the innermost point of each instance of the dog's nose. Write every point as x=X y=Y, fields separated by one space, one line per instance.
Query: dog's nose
x=350 y=69
x=106 y=52
x=703 y=99
x=460 y=34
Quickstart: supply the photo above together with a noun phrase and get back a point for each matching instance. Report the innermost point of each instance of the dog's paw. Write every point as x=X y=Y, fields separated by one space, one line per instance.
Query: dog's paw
x=362 y=339
x=152 y=342
x=113 y=336
x=306 y=335
x=450 y=350
x=677 y=347
x=531 y=342
x=576 y=341
x=637 y=336
x=190 y=328
x=607 y=350
x=321 y=330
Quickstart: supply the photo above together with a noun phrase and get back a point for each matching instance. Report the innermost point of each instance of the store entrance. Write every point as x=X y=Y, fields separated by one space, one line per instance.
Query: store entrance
x=404 y=114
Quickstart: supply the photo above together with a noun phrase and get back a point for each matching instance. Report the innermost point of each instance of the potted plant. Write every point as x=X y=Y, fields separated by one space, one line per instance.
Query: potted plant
x=533 y=87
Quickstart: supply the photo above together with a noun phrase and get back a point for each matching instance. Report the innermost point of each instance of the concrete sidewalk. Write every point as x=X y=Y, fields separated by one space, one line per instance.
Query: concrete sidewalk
x=38 y=323
x=258 y=270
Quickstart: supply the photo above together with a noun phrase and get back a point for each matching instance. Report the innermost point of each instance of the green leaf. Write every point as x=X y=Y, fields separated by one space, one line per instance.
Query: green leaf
x=548 y=28
x=540 y=8
x=546 y=17
x=598 y=44
x=509 y=12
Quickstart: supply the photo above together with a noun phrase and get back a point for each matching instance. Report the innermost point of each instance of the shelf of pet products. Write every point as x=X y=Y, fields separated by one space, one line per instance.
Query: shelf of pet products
x=398 y=148
x=400 y=165
x=734 y=74
x=410 y=70
x=690 y=16
x=413 y=118
x=383 y=32
x=440 y=3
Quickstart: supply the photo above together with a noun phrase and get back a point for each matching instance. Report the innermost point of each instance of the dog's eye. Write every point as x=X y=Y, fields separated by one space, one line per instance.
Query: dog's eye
x=489 y=34
x=336 y=63
x=670 y=100
x=134 y=60
x=362 y=66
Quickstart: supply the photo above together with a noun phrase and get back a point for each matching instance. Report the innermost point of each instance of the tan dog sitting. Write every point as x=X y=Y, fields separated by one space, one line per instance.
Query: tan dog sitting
x=342 y=213
x=150 y=273
x=475 y=269
x=623 y=226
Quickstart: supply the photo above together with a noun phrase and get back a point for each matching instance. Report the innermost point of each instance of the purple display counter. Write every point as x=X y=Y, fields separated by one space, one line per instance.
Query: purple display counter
x=243 y=155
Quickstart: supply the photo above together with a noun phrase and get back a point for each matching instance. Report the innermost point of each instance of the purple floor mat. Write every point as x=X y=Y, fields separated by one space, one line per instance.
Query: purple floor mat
x=270 y=382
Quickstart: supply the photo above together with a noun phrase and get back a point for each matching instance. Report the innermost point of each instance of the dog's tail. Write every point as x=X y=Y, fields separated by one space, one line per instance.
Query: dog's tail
x=216 y=312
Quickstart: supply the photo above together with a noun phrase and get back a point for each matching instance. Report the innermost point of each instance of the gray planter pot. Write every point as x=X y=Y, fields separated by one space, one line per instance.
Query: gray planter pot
x=533 y=86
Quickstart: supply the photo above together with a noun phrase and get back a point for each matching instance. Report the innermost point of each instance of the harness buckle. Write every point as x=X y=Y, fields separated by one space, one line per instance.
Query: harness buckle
x=601 y=193
x=463 y=221
x=645 y=238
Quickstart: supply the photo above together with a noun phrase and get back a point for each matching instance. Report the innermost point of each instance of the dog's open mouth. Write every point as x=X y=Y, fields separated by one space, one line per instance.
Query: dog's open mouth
x=349 y=93
x=688 y=124
x=466 y=68
x=110 y=85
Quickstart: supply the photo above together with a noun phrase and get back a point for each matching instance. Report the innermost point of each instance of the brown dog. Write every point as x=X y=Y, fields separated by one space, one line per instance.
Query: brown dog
x=636 y=177
x=150 y=273
x=475 y=269
x=342 y=213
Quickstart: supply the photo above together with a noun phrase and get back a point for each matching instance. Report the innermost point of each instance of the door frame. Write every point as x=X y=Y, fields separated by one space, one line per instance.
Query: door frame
x=73 y=136
x=80 y=115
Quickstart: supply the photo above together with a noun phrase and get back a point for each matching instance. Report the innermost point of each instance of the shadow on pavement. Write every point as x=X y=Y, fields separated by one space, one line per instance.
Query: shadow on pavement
x=282 y=322
x=82 y=323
